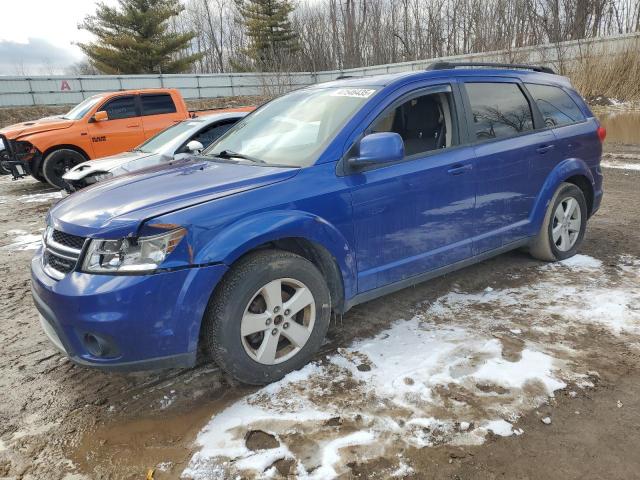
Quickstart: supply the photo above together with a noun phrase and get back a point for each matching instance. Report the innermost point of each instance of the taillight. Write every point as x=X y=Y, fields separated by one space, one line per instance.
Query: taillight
x=602 y=134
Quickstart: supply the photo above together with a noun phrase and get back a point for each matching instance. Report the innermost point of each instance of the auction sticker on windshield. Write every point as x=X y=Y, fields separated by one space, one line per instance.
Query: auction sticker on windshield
x=353 y=92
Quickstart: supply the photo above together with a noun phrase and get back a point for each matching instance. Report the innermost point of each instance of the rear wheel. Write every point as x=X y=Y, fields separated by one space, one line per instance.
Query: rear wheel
x=564 y=225
x=268 y=316
x=59 y=162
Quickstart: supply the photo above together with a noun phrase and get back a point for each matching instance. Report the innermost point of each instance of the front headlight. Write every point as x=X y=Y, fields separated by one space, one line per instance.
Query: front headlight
x=98 y=177
x=131 y=255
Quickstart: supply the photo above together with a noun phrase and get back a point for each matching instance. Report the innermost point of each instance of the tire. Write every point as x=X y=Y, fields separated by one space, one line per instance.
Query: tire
x=246 y=286
x=545 y=246
x=57 y=163
x=38 y=176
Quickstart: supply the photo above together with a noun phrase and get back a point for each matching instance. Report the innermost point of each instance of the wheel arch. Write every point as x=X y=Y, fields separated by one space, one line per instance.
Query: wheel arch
x=572 y=170
x=295 y=231
x=583 y=183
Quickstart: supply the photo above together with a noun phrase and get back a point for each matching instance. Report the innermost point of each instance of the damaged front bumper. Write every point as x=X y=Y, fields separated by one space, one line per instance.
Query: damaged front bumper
x=11 y=161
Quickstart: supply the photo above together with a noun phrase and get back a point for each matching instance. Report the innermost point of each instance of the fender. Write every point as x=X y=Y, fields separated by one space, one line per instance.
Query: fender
x=566 y=169
x=248 y=233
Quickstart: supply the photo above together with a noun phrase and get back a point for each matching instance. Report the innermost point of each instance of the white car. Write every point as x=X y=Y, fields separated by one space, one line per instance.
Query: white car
x=173 y=143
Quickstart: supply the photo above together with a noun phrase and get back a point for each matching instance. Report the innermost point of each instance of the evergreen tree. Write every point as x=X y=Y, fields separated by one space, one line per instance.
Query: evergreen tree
x=272 y=39
x=135 y=38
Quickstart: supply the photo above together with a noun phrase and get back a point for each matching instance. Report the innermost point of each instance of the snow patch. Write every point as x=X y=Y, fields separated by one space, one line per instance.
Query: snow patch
x=499 y=427
x=451 y=374
x=22 y=241
x=41 y=197
x=621 y=165
x=391 y=401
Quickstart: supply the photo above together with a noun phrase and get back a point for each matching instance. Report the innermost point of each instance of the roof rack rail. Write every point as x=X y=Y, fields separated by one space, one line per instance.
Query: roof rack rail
x=344 y=77
x=450 y=65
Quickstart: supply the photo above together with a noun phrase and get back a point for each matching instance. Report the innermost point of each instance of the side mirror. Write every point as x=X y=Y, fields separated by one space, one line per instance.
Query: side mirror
x=377 y=148
x=195 y=146
x=100 y=116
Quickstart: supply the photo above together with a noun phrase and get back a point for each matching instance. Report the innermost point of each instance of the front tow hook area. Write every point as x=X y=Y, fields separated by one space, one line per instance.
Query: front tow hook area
x=17 y=168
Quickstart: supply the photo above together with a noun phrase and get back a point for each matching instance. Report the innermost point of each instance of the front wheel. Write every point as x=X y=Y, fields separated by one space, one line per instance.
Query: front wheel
x=563 y=227
x=59 y=162
x=268 y=317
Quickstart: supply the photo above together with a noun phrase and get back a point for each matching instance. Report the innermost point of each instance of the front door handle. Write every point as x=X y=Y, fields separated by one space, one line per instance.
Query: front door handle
x=544 y=148
x=133 y=125
x=459 y=169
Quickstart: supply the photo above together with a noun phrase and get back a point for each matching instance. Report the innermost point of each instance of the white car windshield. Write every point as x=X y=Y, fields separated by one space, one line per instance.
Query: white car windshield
x=294 y=129
x=159 y=141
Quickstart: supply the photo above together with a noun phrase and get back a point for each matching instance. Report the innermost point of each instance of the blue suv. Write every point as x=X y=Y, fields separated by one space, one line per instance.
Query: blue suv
x=323 y=198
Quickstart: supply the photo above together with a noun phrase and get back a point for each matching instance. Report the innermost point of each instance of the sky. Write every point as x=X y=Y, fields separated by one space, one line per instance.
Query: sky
x=37 y=36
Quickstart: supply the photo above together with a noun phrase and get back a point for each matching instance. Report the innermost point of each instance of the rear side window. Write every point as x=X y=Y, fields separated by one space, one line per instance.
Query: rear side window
x=500 y=110
x=556 y=106
x=121 y=107
x=157 y=104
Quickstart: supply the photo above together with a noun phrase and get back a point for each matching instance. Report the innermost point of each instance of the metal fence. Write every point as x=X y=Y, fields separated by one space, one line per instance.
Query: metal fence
x=60 y=89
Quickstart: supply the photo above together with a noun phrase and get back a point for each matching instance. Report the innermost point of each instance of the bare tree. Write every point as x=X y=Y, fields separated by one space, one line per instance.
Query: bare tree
x=340 y=34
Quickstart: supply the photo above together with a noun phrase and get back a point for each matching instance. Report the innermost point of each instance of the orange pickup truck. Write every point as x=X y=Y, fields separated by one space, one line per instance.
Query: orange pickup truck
x=101 y=125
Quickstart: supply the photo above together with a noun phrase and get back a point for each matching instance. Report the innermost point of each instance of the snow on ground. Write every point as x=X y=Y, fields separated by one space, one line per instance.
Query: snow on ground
x=22 y=240
x=621 y=165
x=41 y=197
x=624 y=161
x=465 y=365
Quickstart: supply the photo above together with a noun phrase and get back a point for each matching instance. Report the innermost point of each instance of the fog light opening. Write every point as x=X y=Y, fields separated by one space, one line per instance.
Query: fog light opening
x=95 y=345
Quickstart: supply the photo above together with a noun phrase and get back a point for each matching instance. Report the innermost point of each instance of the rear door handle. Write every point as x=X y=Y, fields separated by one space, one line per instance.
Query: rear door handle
x=544 y=148
x=459 y=169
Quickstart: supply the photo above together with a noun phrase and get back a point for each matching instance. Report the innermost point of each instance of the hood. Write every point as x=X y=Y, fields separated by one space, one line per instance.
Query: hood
x=116 y=164
x=36 y=126
x=117 y=207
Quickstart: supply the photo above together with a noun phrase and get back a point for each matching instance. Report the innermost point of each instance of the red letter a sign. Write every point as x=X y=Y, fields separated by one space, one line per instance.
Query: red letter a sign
x=65 y=86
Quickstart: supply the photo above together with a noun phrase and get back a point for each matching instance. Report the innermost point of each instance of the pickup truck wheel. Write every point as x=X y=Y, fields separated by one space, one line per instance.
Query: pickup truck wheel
x=57 y=163
x=268 y=316
x=563 y=227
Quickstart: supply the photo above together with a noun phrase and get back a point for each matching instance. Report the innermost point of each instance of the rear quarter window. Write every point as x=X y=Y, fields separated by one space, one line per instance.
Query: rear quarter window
x=555 y=105
x=157 y=104
x=500 y=110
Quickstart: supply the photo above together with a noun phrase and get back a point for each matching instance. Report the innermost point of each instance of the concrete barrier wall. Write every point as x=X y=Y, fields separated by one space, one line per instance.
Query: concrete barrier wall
x=59 y=89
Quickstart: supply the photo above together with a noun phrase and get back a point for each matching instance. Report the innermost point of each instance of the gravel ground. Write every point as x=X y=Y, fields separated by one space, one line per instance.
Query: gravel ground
x=58 y=420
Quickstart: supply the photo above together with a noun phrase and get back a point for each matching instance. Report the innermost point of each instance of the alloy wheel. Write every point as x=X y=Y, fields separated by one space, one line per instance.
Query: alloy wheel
x=278 y=321
x=567 y=220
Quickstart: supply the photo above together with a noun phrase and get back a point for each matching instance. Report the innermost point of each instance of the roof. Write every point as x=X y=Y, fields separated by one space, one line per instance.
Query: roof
x=402 y=77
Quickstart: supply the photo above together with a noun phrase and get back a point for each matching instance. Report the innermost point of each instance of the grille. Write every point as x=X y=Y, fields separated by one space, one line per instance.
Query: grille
x=61 y=253
x=60 y=264
x=68 y=240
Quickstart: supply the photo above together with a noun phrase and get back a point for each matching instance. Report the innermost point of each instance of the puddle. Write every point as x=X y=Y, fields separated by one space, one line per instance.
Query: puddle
x=132 y=447
x=622 y=127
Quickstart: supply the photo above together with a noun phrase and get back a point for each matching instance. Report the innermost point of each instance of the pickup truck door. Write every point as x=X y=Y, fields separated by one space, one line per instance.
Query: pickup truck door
x=159 y=111
x=415 y=215
x=121 y=132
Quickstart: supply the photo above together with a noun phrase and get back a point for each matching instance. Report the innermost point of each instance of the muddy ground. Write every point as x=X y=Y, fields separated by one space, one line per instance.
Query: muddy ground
x=60 y=421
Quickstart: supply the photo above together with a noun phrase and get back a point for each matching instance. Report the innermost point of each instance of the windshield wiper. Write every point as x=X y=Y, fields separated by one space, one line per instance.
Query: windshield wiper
x=232 y=154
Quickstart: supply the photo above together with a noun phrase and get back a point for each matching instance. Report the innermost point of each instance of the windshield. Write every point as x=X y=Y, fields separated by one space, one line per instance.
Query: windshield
x=294 y=129
x=80 y=110
x=160 y=141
